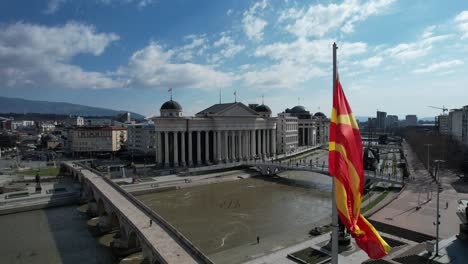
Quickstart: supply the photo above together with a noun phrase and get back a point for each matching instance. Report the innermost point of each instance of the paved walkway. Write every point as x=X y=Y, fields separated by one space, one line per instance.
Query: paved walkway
x=164 y=243
x=402 y=211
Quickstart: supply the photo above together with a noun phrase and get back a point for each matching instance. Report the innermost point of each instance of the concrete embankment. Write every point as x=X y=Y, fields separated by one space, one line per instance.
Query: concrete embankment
x=34 y=203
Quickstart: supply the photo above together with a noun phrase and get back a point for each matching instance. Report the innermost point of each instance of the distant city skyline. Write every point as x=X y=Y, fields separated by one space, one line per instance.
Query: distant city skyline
x=395 y=56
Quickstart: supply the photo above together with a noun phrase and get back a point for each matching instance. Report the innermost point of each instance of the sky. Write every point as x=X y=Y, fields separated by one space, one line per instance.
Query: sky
x=393 y=56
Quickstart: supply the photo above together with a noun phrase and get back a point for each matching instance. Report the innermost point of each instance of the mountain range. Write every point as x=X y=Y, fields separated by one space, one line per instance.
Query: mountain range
x=18 y=105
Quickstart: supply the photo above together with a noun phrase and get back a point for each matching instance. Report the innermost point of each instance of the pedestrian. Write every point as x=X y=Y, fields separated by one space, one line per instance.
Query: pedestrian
x=446 y=205
x=258 y=240
x=151 y=222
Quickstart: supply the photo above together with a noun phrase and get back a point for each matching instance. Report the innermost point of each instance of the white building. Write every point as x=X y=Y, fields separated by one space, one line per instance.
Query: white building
x=141 y=138
x=312 y=129
x=287 y=137
x=98 y=139
x=458 y=124
x=221 y=133
x=17 y=124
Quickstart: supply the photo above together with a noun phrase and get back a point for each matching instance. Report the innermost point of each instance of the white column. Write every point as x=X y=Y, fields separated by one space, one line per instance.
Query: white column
x=218 y=144
x=247 y=144
x=198 y=149
x=166 y=148
x=182 y=150
x=207 y=147
x=268 y=143
x=176 y=150
x=226 y=148
x=273 y=142
x=253 y=137
x=264 y=142
x=239 y=144
x=159 y=148
x=190 y=160
x=233 y=146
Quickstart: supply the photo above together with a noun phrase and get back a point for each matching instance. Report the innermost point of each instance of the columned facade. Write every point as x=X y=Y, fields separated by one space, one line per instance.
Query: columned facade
x=234 y=132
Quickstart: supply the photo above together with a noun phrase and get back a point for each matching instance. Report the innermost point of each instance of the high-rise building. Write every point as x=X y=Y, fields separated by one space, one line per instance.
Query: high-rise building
x=458 y=124
x=392 y=121
x=411 y=120
x=443 y=124
x=381 y=120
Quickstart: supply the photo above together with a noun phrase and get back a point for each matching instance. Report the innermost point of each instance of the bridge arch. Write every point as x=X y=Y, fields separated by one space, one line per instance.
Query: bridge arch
x=133 y=241
x=101 y=208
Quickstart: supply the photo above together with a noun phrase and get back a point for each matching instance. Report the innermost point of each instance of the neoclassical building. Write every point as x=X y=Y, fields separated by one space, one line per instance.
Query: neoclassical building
x=312 y=130
x=221 y=133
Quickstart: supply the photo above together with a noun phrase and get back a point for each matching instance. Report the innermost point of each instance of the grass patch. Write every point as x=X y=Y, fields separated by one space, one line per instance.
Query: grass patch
x=374 y=202
x=310 y=256
x=50 y=171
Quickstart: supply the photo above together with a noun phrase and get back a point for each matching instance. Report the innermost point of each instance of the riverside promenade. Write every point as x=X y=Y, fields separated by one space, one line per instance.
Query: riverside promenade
x=421 y=192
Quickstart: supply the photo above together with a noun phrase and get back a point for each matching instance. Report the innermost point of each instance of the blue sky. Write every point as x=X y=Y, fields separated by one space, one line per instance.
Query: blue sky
x=394 y=56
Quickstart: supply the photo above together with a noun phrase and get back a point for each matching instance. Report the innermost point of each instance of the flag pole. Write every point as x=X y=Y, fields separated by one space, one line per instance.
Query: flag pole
x=334 y=241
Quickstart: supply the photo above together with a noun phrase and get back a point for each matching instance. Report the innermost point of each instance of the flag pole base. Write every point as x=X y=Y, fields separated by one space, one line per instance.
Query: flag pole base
x=344 y=243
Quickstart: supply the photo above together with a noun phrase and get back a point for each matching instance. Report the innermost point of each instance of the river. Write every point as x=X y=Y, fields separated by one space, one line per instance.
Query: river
x=54 y=235
x=224 y=219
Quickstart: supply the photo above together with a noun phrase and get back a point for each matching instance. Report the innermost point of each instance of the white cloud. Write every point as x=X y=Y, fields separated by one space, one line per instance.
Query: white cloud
x=197 y=47
x=320 y=19
x=153 y=67
x=252 y=23
x=439 y=66
x=39 y=56
x=286 y=74
x=420 y=48
x=309 y=51
x=53 y=6
x=229 y=47
x=371 y=62
x=462 y=23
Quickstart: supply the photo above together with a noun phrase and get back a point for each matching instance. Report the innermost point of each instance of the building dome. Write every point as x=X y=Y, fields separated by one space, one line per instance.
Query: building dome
x=263 y=109
x=171 y=105
x=298 y=109
x=319 y=114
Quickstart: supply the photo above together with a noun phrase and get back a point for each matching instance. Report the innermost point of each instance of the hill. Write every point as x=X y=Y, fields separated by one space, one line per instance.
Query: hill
x=17 y=105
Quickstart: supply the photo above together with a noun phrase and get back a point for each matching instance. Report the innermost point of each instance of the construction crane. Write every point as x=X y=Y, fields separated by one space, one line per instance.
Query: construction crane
x=443 y=108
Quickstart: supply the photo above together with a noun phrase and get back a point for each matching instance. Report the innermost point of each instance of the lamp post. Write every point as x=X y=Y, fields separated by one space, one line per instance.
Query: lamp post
x=427 y=163
x=437 y=223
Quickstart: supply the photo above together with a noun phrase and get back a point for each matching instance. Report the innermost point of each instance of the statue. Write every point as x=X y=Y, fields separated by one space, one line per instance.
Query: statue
x=38 y=183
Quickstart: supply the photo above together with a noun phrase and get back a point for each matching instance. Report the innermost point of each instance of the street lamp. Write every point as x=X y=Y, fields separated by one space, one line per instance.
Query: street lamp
x=437 y=223
x=427 y=163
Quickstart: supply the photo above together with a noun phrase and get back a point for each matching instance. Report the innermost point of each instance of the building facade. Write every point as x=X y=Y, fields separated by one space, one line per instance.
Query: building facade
x=221 y=133
x=287 y=137
x=411 y=120
x=458 y=124
x=381 y=120
x=443 y=124
x=141 y=138
x=312 y=129
x=98 y=139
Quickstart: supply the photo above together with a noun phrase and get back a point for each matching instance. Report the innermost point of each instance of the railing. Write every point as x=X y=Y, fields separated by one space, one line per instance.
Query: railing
x=172 y=230
x=321 y=169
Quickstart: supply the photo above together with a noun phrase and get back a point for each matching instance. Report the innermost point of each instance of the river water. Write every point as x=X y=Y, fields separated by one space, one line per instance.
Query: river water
x=54 y=235
x=228 y=216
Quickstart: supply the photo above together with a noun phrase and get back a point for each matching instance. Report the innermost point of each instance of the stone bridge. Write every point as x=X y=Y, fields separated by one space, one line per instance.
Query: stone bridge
x=122 y=214
x=272 y=168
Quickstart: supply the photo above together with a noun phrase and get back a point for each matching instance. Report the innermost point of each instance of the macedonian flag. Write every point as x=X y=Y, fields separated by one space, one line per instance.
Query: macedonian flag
x=346 y=166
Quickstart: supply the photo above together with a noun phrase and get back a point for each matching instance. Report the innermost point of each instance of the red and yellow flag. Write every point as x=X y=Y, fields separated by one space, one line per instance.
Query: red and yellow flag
x=346 y=166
